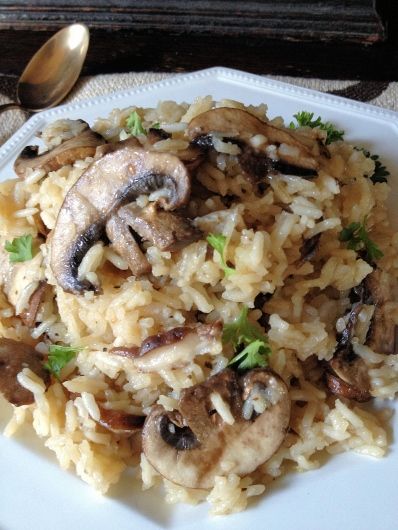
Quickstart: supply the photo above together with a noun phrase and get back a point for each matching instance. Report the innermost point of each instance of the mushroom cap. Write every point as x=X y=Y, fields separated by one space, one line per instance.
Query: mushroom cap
x=14 y=356
x=174 y=348
x=117 y=178
x=123 y=242
x=76 y=148
x=240 y=125
x=165 y=230
x=347 y=376
x=381 y=336
x=28 y=316
x=195 y=444
x=120 y=422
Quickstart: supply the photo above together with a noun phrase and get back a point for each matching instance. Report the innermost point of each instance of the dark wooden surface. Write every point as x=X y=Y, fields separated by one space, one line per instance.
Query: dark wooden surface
x=343 y=39
x=348 y=20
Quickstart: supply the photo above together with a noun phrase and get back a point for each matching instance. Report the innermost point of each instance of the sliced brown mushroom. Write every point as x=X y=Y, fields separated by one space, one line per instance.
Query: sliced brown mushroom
x=165 y=230
x=257 y=165
x=239 y=125
x=156 y=135
x=174 y=348
x=192 y=156
x=76 y=148
x=126 y=246
x=28 y=316
x=259 y=303
x=309 y=248
x=346 y=373
x=193 y=445
x=113 y=180
x=381 y=336
x=120 y=422
x=348 y=376
x=14 y=356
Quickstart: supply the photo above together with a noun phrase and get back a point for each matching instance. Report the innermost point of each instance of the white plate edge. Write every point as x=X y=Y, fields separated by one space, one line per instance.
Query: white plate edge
x=14 y=144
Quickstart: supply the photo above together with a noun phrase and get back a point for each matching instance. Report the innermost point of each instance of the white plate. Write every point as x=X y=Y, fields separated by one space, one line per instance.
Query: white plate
x=349 y=491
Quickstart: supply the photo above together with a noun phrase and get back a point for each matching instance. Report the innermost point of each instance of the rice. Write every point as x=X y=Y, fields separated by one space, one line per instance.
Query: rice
x=264 y=233
x=222 y=408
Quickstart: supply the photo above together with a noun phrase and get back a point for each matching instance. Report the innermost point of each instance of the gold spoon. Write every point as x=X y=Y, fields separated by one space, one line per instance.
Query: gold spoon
x=52 y=71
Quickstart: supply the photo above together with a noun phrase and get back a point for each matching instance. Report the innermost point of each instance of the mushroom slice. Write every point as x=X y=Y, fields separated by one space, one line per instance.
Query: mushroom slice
x=257 y=165
x=381 y=335
x=165 y=230
x=14 y=356
x=209 y=436
x=346 y=373
x=192 y=156
x=76 y=148
x=240 y=125
x=113 y=180
x=120 y=422
x=309 y=248
x=348 y=376
x=124 y=243
x=175 y=347
x=28 y=316
x=156 y=135
x=339 y=387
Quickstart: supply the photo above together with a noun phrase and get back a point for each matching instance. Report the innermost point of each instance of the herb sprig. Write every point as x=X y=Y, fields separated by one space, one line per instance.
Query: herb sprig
x=20 y=248
x=58 y=357
x=134 y=124
x=380 y=171
x=305 y=119
x=357 y=238
x=219 y=243
x=243 y=334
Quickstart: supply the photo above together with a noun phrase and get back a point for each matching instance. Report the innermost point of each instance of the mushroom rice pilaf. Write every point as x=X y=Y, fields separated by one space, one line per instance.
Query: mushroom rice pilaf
x=200 y=293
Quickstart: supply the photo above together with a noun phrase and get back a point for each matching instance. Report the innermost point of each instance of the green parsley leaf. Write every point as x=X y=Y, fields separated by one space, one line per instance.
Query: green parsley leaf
x=380 y=172
x=134 y=124
x=357 y=238
x=305 y=119
x=155 y=125
x=242 y=333
x=58 y=357
x=20 y=248
x=255 y=354
x=241 y=330
x=218 y=242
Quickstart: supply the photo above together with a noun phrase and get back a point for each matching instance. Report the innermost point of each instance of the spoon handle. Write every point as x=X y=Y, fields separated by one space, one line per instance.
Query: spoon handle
x=8 y=106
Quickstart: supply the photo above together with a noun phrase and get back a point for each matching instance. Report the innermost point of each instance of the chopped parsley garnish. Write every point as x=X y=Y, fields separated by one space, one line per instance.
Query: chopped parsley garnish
x=20 y=248
x=305 y=119
x=243 y=334
x=134 y=124
x=357 y=238
x=380 y=172
x=219 y=242
x=155 y=125
x=58 y=357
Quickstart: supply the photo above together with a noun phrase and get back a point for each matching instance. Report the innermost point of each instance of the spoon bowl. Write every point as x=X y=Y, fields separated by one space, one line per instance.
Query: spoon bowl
x=53 y=70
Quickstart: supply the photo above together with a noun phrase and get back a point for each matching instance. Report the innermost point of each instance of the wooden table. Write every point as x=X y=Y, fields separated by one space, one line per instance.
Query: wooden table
x=340 y=39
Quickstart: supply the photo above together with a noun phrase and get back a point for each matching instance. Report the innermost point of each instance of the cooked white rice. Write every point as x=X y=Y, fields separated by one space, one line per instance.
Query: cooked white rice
x=264 y=242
